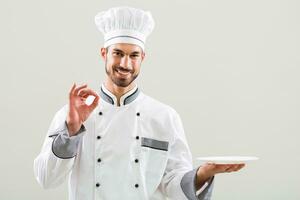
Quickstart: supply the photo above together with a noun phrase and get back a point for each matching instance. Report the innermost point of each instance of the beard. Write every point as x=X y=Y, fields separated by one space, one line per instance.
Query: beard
x=119 y=81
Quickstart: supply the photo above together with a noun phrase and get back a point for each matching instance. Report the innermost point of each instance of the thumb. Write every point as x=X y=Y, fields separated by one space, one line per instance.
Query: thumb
x=95 y=103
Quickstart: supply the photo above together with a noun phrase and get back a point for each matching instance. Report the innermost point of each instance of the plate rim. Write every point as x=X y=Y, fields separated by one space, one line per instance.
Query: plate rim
x=220 y=159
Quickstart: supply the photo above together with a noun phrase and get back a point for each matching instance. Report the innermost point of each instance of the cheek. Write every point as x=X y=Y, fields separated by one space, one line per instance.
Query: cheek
x=136 y=63
x=112 y=64
x=136 y=68
x=109 y=68
x=113 y=61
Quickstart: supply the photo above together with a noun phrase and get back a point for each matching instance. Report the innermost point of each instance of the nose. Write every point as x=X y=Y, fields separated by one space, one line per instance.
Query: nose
x=125 y=62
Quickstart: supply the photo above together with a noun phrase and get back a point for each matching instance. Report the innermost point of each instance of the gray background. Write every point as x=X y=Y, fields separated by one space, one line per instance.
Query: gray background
x=230 y=68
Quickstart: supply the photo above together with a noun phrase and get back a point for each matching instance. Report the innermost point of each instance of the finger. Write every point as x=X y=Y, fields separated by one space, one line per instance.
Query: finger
x=229 y=169
x=223 y=167
x=96 y=100
x=236 y=167
x=84 y=96
x=89 y=91
x=240 y=167
x=220 y=168
x=83 y=92
x=72 y=89
x=243 y=164
x=95 y=103
x=79 y=88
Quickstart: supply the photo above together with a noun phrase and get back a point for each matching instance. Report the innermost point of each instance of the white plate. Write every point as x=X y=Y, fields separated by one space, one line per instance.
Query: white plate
x=228 y=159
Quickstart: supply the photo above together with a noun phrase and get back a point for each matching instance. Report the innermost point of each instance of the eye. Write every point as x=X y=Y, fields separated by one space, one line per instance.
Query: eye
x=134 y=55
x=117 y=53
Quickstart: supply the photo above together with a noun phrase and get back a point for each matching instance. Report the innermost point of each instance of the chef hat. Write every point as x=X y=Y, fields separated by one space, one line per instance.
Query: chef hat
x=125 y=25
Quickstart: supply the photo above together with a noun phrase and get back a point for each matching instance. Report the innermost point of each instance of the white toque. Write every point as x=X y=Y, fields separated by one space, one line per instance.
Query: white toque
x=125 y=25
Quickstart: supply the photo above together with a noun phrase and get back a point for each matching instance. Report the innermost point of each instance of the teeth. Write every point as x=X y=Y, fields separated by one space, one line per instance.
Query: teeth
x=122 y=72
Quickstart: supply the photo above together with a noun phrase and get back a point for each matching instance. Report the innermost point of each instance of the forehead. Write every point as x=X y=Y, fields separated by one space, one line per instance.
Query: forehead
x=126 y=48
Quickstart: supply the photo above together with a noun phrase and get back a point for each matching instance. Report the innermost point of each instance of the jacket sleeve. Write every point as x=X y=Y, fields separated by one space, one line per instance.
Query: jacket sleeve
x=179 y=177
x=58 y=154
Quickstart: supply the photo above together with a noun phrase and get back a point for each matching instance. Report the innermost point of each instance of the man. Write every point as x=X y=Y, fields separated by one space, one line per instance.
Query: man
x=124 y=144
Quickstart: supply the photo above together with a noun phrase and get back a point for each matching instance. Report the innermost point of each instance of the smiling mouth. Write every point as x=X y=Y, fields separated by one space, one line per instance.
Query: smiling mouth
x=122 y=72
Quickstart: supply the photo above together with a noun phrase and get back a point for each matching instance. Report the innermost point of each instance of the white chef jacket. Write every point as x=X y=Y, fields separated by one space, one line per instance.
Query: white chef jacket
x=135 y=151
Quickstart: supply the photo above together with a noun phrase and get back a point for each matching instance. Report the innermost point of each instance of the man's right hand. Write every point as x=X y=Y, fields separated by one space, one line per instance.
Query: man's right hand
x=79 y=111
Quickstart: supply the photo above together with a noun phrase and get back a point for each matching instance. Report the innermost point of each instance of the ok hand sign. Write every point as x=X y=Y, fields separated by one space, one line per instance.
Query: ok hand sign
x=79 y=111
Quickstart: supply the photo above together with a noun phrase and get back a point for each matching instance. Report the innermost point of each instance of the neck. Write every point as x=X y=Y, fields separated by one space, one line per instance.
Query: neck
x=117 y=90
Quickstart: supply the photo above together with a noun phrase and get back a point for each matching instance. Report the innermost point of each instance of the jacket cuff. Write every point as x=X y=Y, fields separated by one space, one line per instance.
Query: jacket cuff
x=188 y=186
x=205 y=192
x=64 y=146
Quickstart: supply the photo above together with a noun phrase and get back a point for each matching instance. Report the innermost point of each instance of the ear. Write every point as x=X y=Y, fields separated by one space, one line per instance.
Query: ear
x=143 y=55
x=103 y=53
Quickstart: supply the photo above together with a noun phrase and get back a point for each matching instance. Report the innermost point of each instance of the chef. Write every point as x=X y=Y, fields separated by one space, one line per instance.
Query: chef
x=124 y=144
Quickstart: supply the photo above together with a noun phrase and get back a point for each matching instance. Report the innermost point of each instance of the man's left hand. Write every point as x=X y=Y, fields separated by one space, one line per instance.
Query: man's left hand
x=208 y=170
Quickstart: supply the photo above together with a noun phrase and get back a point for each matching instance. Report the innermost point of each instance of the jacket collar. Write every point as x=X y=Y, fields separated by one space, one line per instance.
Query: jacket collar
x=125 y=99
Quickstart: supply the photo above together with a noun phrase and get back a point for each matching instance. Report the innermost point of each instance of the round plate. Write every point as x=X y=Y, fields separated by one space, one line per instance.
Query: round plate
x=227 y=159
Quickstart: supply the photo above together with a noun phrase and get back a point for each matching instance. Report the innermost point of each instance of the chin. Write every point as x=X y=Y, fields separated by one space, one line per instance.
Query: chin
x=122 y=83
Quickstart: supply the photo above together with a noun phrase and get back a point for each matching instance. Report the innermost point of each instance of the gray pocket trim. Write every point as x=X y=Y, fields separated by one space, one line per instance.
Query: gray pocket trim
x=154 y=144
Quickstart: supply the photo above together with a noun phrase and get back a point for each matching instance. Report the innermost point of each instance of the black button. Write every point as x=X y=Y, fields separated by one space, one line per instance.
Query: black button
x=137 y=137
x=97 y=184
x=98 y=137
x=136 y=160
x=136 y=185
x=99 y=160
x=138 y=114
x=100 y=113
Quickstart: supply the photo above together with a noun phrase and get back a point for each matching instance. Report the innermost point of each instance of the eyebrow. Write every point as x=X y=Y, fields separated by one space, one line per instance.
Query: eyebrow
x=135 y=52
x=120 y=51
